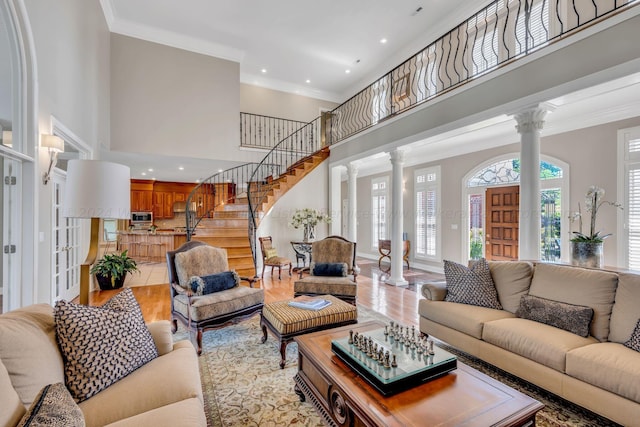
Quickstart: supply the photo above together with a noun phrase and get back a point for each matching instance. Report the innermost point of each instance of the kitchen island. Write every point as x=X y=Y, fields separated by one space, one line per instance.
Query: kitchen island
x=147 y=246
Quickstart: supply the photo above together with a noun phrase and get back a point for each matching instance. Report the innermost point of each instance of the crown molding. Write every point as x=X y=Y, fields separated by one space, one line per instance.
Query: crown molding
x=261 y=81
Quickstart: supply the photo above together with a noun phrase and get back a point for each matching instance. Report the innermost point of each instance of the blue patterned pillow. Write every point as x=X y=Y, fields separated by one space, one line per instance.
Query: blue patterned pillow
x=204 y=285
x=329 y=269
x=472 y=286
x=634 y=341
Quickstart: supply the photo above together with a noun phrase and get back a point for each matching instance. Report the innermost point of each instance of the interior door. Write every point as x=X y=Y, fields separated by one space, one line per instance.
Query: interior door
x=502 y=217
x=66 y=247
x=9 y=267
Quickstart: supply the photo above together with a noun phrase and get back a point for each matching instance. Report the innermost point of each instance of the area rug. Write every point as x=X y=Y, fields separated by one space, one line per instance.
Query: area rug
x=244 y=386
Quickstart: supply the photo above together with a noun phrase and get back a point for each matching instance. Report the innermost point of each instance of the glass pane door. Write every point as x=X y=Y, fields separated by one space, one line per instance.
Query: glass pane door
x=66 y=247
x=10 y=265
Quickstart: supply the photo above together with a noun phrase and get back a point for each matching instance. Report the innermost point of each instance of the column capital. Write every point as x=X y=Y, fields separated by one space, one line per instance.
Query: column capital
x=397 y=156
x=352 y=169
x=531 y=118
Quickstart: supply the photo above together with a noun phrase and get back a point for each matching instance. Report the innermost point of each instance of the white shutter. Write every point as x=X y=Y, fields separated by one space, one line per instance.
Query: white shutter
x=379 y=195
x=633 y=215
x=427 y=220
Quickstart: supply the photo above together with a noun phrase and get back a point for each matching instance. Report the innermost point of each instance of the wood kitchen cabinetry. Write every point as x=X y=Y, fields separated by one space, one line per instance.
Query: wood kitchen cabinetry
x=141 y=195
x=158 y=196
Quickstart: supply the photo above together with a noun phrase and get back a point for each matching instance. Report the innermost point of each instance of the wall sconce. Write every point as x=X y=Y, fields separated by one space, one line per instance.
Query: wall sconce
x=55 y=145
x=7 y=138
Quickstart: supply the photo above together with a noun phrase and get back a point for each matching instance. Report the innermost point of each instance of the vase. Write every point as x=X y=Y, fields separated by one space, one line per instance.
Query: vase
x=309 y=233
x=587 y=254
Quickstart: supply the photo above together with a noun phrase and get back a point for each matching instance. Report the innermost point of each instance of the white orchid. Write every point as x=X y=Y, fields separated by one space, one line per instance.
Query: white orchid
x=593 y=202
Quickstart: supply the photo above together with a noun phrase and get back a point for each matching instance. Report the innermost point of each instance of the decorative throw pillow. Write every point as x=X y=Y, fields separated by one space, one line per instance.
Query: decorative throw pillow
x=570 y=317
x=472 y=286
x=101 y=345
x=329 y=269
x=270 y=253
x=53 y=407
x=204 y=285
x=634 y=341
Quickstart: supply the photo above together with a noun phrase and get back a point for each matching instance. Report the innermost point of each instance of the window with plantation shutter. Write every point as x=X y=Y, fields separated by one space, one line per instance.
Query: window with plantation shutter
x=629 y=139
x=532 y=29
x=427 y=225
x=379 y=198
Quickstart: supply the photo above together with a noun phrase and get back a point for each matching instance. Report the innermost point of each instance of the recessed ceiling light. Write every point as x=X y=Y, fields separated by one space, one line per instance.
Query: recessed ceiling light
x=219 y=170
x=143 y=174
x=181 y=168
x=308 y=81
x=264 y=70
x=197 y=181
x=347 y=71
x=154 y=178
x=150 y=169
x=383 y=40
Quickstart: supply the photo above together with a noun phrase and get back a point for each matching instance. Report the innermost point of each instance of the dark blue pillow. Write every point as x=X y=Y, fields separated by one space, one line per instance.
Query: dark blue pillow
x=330 y=269
x=204 y=285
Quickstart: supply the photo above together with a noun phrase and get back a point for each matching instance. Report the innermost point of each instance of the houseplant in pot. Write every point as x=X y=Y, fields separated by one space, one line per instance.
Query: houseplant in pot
x=587 y=249
x=111 y=270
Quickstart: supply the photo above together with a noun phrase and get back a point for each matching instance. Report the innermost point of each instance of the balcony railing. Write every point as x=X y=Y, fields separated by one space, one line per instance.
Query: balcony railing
x=258 y=131
x=502 y=32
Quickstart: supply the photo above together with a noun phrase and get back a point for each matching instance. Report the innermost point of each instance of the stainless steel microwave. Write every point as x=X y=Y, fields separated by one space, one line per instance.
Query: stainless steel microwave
x=141 y=217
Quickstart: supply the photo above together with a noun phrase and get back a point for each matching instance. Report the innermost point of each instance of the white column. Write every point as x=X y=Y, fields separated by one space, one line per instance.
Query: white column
x=335 y=201
x=530 y=123
x=397 y=160
x=352 y=174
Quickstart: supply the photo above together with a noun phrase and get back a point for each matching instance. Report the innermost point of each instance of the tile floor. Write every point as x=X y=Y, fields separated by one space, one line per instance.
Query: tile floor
x=151 y=273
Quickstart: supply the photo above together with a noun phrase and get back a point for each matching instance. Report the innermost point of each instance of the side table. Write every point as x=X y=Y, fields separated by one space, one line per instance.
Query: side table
x=384 y=247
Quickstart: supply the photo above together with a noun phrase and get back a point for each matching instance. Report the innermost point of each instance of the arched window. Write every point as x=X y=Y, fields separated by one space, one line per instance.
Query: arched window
x=505 y=171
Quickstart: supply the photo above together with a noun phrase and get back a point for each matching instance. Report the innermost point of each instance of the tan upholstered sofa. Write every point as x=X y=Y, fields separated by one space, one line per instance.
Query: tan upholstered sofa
x=597 y=372
x=163 y=392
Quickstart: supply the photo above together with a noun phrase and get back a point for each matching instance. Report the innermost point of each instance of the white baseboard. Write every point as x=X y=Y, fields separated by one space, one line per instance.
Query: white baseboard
x=425 y=267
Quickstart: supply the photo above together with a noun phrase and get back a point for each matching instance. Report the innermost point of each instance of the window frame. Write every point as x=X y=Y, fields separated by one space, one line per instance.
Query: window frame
x=428 y=186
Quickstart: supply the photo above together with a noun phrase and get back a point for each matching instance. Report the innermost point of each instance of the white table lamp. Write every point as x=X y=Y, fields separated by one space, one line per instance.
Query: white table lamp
x=95 y=189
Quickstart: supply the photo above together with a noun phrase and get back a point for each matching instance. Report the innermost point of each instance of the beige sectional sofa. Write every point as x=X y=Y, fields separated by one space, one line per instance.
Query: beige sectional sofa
x=597 y=372
x=164 y=392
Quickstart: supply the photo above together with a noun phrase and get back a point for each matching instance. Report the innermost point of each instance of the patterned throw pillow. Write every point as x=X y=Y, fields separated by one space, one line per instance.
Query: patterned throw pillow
x=204 y=285
x=570 y=317
x=53 y=407
x=472 y=286
x=634 y=341
x=101 y=345
x=329 y=269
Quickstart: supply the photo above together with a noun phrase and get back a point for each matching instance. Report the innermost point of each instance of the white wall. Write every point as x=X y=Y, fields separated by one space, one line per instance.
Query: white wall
x=171 y=101
x=71 y=41
x=311 y=192
x=268 y=102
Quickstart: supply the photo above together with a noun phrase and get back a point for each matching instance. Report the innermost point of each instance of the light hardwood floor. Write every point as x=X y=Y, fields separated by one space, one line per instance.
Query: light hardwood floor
x=397 y=303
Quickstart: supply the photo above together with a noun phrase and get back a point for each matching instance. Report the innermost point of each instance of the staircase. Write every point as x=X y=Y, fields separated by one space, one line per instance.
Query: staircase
x=227 y=224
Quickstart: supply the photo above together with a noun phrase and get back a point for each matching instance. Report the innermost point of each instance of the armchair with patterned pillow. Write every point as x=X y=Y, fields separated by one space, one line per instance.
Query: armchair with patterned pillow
x=205 y=294
x=333 y=270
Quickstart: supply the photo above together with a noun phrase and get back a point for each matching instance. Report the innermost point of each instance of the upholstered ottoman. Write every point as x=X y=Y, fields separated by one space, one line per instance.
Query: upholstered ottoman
x=286 y=322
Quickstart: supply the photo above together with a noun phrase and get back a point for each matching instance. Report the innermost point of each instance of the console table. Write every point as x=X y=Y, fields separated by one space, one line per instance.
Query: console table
x=384 y=247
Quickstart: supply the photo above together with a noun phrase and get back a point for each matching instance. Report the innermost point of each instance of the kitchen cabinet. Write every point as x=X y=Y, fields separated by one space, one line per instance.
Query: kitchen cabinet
x=141 y=195
x=158 y=196
x=162 y=204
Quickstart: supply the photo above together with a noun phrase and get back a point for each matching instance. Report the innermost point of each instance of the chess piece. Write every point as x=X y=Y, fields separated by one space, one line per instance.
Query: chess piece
x=386 y=330
x=431 y=347
x=351 y=337
x=394 y=362
x=386 y=360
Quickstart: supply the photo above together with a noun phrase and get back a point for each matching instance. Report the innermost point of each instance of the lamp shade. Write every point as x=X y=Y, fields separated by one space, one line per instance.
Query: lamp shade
x=97 y=189
x=7 y=138
x=52 y=142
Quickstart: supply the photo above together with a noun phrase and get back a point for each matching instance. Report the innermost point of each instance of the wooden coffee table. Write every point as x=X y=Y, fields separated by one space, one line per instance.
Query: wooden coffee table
x=461 y=397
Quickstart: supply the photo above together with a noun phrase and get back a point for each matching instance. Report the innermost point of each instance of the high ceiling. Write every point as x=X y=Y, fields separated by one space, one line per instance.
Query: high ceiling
x=293 y=40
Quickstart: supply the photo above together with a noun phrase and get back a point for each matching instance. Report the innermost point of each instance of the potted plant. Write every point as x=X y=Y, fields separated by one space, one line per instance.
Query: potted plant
x=587 y=249
x=112 y=269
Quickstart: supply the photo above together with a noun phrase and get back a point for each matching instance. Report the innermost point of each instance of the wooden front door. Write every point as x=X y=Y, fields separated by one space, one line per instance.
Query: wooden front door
x=502 y=223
